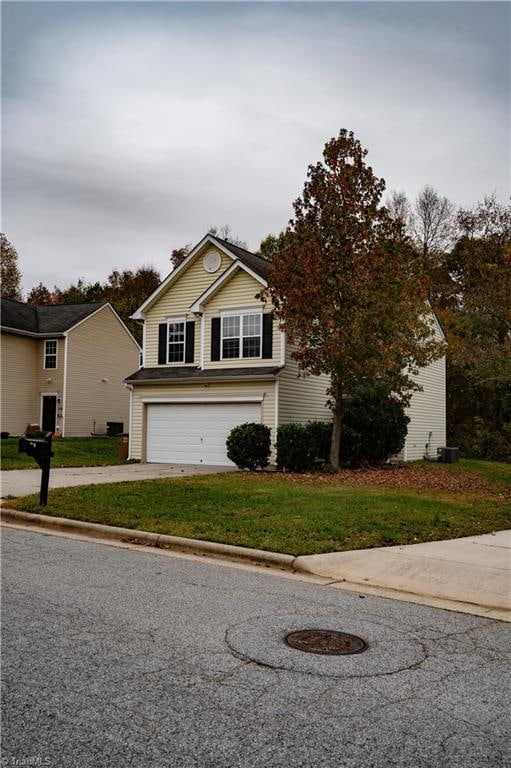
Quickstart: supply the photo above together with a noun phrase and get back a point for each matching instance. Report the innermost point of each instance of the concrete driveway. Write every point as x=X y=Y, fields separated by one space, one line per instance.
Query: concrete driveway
x=21 y=482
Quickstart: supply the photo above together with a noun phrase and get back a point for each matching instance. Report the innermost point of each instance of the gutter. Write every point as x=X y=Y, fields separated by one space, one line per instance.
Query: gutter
x=204 y=379
x=30 y=334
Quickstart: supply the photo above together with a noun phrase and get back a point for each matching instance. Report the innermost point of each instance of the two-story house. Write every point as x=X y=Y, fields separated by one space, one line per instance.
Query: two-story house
x=214 y=357
x=63 y=367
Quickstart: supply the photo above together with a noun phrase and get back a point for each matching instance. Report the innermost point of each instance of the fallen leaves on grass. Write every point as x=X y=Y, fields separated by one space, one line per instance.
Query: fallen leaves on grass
x=417 y=478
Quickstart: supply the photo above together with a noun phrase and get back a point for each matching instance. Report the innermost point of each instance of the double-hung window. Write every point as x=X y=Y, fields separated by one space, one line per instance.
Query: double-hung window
x=176 y=340
x=50 y=353
x=241 y=335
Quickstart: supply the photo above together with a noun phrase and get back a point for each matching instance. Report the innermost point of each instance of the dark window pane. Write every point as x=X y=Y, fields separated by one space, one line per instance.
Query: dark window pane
x=176 y=353
x=252 y=347
x=230 y=348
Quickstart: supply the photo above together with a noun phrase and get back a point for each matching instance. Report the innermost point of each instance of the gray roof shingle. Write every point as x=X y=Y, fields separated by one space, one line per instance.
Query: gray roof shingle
x=252 y=260
x=43 y=320
x=144 y=375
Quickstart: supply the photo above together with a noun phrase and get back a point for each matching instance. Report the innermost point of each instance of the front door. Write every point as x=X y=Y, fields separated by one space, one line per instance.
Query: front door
x=49 y=413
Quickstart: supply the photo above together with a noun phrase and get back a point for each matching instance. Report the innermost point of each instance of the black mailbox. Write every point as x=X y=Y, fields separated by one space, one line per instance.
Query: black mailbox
x=38 y=446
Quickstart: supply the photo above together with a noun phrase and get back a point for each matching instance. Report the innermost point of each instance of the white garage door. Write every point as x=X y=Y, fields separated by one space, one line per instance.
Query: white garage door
x=194 y=433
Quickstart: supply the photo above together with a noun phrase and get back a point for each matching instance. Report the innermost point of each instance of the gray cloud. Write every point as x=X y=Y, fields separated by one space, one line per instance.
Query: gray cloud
x=129 y=128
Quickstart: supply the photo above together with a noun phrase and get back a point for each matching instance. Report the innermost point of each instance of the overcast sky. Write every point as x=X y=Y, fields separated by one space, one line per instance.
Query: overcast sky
x=130 y=127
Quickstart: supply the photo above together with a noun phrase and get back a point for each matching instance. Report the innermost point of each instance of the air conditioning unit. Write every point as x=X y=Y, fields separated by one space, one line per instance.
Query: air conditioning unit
x=448 y=455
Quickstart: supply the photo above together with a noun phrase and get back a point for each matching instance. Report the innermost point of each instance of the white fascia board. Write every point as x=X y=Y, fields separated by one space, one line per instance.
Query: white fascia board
x=30 y=335
x=125 y=327
x=435 y=320
x=87 y=317
x=104 y=306
x=140 y=312
x=198 y=305
x=439 y=327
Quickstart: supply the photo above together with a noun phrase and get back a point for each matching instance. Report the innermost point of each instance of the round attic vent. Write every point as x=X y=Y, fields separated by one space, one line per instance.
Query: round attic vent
x=212 y=261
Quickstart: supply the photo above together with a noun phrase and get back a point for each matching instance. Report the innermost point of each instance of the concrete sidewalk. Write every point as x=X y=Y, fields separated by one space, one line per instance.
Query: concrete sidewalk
x=475 y=570
x=21 y=482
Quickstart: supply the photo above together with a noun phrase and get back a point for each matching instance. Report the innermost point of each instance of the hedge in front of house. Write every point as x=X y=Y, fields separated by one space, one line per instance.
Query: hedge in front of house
x=249 y=446
x=295 y=447
x=373 y=429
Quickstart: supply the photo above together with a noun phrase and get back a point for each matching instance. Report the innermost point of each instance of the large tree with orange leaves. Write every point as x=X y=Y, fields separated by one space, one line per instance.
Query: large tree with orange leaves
x=345 y=285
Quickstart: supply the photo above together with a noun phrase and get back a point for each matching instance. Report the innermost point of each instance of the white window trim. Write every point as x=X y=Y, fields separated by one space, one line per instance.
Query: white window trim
x=181 y=319
x=45 y=367
x=240 y=313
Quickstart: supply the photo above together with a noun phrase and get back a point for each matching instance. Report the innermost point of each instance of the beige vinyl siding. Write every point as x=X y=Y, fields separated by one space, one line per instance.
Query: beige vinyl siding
x=176 y=302
x=301 y=398
x=238 y=293
x=427 y=413
x=51 y=380
x=19 y=381
x=99 y=348
x=427 y=409
x=224 y=389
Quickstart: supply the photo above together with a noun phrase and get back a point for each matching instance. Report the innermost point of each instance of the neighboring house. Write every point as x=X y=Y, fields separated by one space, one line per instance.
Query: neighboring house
x=214 y=357
x=63 y=367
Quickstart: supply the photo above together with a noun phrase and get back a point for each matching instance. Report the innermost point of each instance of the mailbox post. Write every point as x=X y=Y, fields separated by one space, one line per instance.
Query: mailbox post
x=38 y=445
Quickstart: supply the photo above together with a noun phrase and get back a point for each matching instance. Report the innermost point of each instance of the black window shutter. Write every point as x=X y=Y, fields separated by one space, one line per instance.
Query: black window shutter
x=162 y=344
x=190 y=341
x=215 y=338
x=267 y=335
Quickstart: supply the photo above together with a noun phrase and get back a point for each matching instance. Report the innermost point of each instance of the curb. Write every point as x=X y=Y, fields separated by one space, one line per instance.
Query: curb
x=159 y=540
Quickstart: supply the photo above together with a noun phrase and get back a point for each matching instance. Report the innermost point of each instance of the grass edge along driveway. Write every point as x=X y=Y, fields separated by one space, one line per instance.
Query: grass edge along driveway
x=302 y=514
x=69 y=452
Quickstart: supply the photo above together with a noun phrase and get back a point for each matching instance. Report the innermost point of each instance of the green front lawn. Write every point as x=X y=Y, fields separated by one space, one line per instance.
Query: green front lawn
x=69 y=452
x=302 y=514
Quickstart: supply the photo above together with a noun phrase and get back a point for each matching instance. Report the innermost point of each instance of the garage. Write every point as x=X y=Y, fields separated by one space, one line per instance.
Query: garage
x=194 y=433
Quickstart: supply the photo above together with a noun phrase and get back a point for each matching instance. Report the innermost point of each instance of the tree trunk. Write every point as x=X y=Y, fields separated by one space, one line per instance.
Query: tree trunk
x=335 y=445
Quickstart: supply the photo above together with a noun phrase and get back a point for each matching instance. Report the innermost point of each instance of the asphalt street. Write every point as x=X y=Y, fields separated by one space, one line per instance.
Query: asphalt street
x=117 y=657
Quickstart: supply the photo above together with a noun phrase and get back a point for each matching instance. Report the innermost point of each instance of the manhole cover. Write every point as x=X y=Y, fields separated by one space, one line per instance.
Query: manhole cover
x=325 y=641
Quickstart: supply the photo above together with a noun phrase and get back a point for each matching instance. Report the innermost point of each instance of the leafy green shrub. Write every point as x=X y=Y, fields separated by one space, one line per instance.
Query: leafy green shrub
x=295 y=448
x=320 y=433
x=500 y=448
x=374 y=429
x=482 y=442
x=249 y=446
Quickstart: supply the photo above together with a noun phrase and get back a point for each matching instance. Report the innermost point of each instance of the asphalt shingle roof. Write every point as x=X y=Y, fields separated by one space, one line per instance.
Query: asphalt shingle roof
x=253 y=261
x=184 y=372
x=43 y=320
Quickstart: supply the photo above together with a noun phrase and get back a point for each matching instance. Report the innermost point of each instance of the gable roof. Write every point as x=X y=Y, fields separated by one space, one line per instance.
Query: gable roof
x=36 y=320
x=211 y=290
x=251 y=260
x=247 y=260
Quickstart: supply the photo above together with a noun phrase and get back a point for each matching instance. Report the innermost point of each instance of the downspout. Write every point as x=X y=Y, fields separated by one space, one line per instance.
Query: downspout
x=130 y=387
x=143 y=343
x=64 y=388
x=202 y=322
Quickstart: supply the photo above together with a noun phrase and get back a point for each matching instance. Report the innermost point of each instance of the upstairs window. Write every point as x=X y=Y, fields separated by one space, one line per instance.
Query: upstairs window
x=176 y=335
x=241 y=335
x=50 y=353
